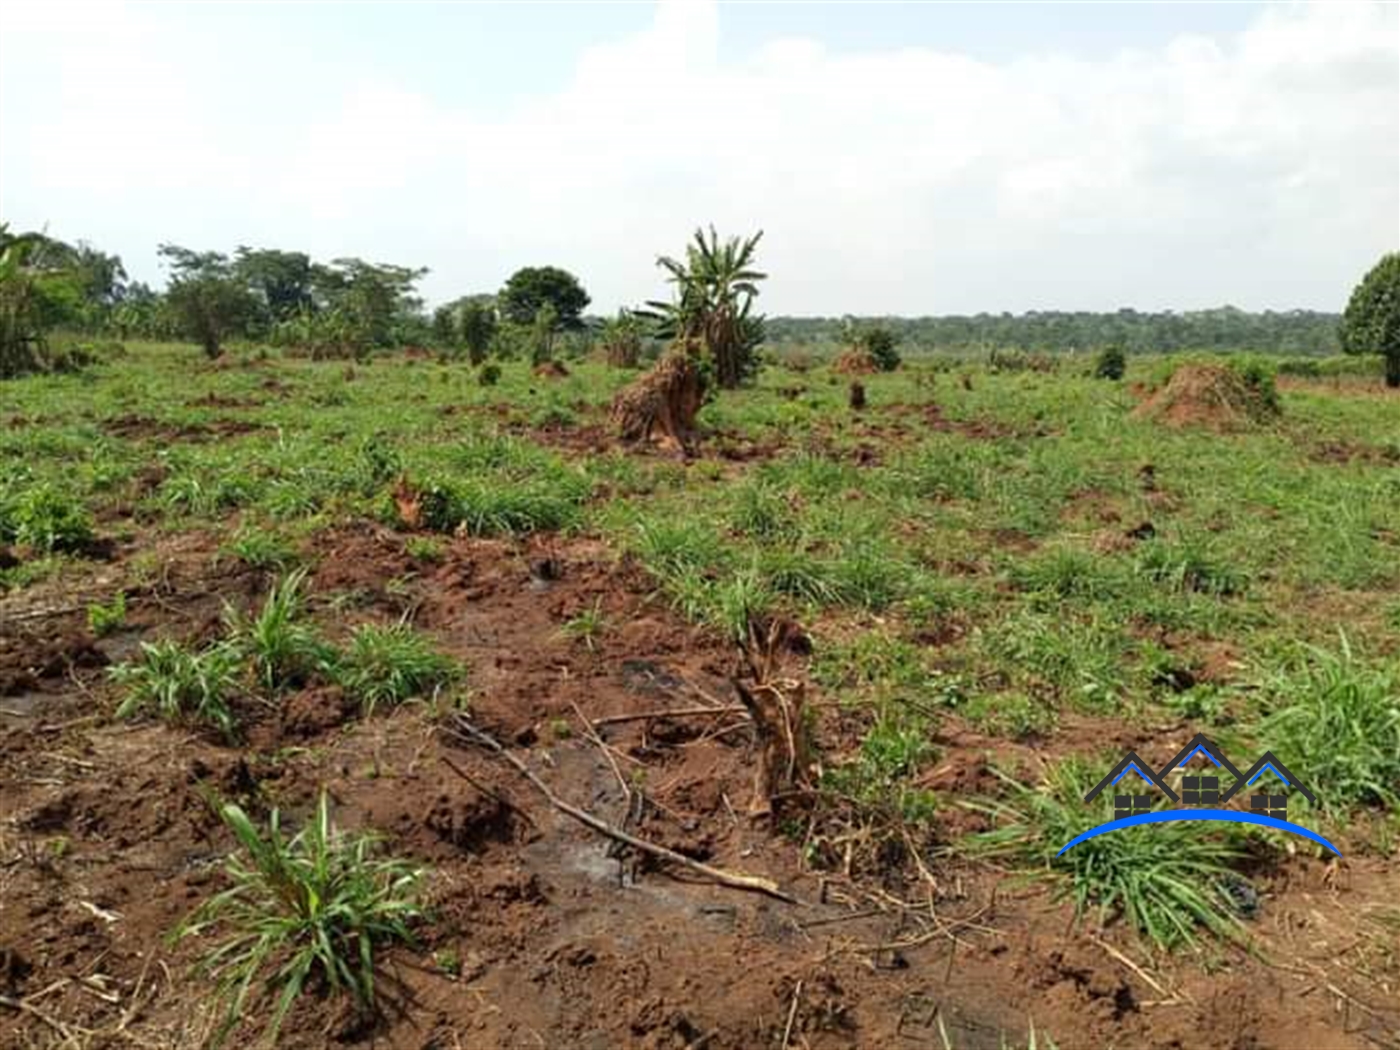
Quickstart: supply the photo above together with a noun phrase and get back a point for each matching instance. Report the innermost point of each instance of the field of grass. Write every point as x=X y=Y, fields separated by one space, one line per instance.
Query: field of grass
x=1006 y=579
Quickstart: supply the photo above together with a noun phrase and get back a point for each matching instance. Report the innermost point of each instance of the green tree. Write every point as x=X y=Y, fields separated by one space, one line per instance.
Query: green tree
x=281 y=281
x=1371 y=323
x=534 y=286
x=375 y=304
x=542 y=332
x=877 y=340
x=209 y=300
x=714 y=292
x=1111 y=362
x=476 y=324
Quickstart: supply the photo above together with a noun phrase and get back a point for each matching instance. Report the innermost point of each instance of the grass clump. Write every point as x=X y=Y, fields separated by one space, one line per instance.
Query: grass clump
x=181 y=685
x=1340 y=728
x=388 y=665
x=1165 y=881
x=261 y=549
x=317 y=905
x=281 y=647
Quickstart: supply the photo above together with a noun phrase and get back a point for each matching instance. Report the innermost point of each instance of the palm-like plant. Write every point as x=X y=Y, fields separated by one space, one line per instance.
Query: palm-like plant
x=716 y=285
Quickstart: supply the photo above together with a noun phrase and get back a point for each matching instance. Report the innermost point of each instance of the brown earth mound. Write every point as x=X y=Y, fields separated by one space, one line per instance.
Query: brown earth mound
x=662 y=404
x=1208 y=396
x=855 y=362
x=551 y=370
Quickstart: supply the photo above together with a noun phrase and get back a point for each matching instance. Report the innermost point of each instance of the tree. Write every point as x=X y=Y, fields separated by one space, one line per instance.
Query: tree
x=879 y=342
x=534 y=286
x=1111 y=362
x=209 y=300
x=280 y=280
x=621 y=340
x=542 y=332
x=375 y=304
x=1371 y=323
x=476 y=323
x=715 y=289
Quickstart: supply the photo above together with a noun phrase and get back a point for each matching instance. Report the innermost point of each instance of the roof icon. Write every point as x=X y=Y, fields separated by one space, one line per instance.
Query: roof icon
x=1131 y=763
x=1202 y=745
x=1267 y=761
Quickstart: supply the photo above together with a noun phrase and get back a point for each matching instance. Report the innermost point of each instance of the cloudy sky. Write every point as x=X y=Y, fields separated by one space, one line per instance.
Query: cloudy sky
x=912 y=159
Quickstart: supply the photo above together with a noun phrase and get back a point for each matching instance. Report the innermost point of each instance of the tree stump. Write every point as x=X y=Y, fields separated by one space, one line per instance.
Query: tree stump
x=857 y=397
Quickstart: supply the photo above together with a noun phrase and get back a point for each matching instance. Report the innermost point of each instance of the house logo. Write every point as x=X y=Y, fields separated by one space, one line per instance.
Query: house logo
x=1260 y=794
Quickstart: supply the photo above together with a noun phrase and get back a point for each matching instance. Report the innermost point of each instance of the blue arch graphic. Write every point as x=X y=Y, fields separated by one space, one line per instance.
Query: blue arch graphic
x=1227 y=815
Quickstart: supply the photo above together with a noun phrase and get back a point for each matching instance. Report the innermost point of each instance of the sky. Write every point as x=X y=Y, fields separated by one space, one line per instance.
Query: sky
x=907 y=159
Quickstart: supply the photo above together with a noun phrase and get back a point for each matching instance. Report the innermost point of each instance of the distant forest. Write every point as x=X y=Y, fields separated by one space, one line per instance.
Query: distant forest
x=1225 y=328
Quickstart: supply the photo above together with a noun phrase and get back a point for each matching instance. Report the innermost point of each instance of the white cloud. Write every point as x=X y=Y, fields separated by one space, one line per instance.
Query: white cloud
x=1262 y=169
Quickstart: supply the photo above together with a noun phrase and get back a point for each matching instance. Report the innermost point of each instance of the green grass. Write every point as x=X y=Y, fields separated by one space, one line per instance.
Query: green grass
x=388 y=665
x=314 y=907
x=1336 y=724
x=181 y=685
x=282 y=648
x=1164 y=881
x=103 y=619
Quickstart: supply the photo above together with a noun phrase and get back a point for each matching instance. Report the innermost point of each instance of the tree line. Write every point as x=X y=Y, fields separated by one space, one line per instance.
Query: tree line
x=1222 y=329
x=348 y=307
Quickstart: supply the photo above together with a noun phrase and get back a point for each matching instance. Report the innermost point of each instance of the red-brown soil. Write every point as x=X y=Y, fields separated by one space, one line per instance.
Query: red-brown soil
x=107 y=842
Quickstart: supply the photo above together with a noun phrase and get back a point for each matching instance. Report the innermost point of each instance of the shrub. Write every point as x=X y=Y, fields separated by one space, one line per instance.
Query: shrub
x=104 y=619
x=388 y=665
x=181 y=685
x=489 y=375
x=318 y=904
x=1111 y=363
x=47 y=519
x=879 y=343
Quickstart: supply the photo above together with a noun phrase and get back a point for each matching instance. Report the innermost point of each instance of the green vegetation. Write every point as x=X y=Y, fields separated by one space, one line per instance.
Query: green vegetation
x=282 y=648
x=388 y=665
x=182 y=685
x=1371 y=323
x=1164 y=881
x=315 y=906
x=1111 y=362
x=712 y=308
x=1337 y=719
x=104 y=619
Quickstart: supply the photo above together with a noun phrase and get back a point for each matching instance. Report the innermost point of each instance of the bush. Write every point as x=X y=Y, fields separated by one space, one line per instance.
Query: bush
x=45 y=518
x=1111 y=363
x=879 y=343
x=489 y=375
x=283 y=649
x=317 y=904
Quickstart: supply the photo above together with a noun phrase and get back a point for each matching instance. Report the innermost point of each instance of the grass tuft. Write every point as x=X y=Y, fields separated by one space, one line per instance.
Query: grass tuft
x=316 y=905
x=388 y=665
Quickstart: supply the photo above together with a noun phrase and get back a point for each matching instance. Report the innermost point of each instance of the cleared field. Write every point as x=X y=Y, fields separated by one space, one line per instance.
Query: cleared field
x=983 y=588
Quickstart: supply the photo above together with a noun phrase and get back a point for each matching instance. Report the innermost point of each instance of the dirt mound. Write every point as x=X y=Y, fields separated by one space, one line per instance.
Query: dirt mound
x=1209 y=396
x=551 y=370
x=662 y=404
x=856 y=362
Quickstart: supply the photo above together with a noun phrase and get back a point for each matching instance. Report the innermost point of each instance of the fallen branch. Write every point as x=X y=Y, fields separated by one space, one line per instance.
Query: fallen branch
x=463 y=729
x=792 y=1015
x=679 y=712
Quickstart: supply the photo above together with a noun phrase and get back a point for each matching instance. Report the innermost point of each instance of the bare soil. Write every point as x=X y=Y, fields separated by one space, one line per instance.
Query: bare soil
x=556 y=939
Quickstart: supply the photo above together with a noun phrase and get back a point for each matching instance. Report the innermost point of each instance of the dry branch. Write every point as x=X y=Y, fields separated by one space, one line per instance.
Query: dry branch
x=463 y=729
